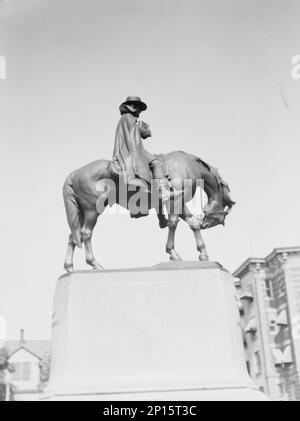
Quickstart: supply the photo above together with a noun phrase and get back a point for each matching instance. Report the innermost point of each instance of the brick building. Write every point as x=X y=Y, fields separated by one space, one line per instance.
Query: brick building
x=268 y=291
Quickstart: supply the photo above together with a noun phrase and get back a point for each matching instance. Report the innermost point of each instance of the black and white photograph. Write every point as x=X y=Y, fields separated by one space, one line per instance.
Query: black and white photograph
x=150 y=203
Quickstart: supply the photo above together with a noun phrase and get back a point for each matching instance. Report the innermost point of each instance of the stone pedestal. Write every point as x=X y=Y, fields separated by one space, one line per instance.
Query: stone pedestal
x=170 y=332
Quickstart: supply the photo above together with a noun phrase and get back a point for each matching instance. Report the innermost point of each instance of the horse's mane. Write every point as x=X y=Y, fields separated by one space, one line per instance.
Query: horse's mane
x=223 y=185
x=208 y=167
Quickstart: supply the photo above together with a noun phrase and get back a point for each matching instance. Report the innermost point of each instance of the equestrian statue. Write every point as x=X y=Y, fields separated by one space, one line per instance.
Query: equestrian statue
x=139 y=181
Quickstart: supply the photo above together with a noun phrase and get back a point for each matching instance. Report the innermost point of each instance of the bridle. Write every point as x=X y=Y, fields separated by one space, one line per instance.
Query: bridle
x=224 y=212
x=212 y=214
x=207 y=214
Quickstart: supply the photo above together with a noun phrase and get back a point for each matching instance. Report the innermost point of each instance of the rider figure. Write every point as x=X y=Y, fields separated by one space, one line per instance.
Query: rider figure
x=129 y=156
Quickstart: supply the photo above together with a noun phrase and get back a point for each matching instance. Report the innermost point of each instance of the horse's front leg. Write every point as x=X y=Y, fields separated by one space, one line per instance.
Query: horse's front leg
x=68 y=265
x=194 y=223
x=90 y=219
x=170 y=247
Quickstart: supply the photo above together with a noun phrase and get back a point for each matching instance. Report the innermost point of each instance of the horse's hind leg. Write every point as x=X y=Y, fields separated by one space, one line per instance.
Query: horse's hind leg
x=194 y=224
x=68 y=265
x=90 y=219
x=163 y=221
x=170 y=247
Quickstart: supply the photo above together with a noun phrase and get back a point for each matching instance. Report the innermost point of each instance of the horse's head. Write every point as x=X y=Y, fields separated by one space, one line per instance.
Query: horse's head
x=219 y=204
x=212 y=218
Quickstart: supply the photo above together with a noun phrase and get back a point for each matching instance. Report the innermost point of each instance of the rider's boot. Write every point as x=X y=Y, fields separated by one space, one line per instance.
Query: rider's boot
x=163 y=221
x=138 y=182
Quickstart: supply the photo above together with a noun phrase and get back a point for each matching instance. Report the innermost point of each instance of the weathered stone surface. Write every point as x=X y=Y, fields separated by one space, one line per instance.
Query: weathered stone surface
x=170 y=332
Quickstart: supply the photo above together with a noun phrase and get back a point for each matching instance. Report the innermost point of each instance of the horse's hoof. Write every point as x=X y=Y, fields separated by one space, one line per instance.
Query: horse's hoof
x=203 y=258
x=98 y=267
x=163 y=223
x=69 y=268
x=175 y=257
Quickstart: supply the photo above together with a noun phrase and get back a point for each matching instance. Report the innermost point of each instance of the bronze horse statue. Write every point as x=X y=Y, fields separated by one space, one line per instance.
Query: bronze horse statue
x=84 y=186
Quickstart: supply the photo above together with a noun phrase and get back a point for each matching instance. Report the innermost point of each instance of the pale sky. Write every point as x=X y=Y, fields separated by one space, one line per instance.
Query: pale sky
x=216 y=76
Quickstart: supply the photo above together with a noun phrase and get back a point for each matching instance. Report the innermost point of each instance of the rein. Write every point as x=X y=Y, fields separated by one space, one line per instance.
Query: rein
x=212 y=213
x=221 y=212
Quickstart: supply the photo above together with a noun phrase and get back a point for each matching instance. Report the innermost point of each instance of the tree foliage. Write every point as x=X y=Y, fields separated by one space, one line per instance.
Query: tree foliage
x=5 y=367
x=45 y=365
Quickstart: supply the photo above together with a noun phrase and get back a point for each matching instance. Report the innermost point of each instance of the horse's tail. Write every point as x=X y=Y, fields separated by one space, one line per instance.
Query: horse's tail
x=72 y=210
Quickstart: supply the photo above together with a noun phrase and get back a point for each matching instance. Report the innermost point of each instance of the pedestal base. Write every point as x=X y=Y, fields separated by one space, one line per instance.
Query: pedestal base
x=170 y=332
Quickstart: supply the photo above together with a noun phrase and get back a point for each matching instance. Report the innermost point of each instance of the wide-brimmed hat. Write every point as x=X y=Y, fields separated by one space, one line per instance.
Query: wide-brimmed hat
x=135 y=100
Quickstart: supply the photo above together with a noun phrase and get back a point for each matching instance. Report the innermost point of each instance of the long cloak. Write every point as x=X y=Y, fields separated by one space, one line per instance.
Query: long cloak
x=129 y=157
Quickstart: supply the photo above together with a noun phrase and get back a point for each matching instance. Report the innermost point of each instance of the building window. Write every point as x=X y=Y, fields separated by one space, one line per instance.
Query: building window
x=22 y=371
x=247 y=294
x=257 y=362
x=273 y=326
x=269 y=290
x=282 y=319
x=26 y=371
x=281 y=286
x=251 y=326
x=17 y=371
